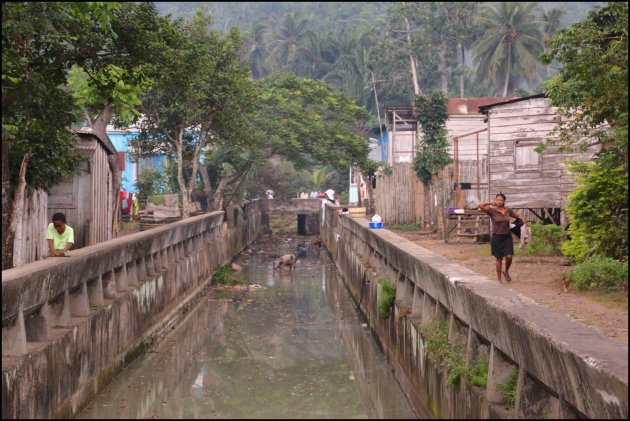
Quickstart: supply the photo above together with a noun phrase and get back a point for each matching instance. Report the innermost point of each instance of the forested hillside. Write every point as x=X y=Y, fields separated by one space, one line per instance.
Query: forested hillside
x=371 y=50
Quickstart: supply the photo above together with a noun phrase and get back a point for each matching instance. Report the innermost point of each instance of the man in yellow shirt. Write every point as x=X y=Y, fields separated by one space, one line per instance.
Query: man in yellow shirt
x=59 y=235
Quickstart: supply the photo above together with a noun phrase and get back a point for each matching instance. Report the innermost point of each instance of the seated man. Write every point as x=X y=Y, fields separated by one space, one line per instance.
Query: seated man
x=59 y=235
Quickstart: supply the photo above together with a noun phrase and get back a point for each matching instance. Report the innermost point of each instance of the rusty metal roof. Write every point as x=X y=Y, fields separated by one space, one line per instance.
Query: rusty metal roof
x=107 y=144
x=463 y=106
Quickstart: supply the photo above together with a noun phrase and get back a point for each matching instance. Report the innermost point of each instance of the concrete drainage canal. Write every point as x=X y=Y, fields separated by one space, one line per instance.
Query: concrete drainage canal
x=294 y=347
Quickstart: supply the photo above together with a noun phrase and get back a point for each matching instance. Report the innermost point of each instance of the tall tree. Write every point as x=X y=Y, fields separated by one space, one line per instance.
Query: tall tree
x=552 y=18
x=591 y=92
x=511 y=41
x=288 y=41
x=40 y=42
x=197 y=100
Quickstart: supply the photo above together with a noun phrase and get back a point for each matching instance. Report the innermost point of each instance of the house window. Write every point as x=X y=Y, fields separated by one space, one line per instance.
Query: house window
x=525 y=157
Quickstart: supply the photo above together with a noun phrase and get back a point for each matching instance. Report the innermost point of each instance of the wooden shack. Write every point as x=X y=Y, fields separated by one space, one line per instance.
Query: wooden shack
x=401 y=197
x=537 y=183
x=86 y=197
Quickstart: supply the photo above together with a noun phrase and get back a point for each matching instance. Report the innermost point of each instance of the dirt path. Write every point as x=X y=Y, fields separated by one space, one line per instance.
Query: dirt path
x=538 y=277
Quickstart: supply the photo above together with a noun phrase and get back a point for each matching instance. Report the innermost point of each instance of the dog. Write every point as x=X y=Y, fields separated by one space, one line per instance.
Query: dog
x=565 y=282
x=526 y=236
x=285 y=260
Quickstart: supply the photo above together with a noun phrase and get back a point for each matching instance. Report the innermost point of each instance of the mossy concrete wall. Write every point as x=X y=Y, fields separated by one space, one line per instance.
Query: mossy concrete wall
x=564 y=369
x=70 y=324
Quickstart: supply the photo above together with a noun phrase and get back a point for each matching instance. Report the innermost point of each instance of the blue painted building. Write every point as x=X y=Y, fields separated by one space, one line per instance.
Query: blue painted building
x=120 y=140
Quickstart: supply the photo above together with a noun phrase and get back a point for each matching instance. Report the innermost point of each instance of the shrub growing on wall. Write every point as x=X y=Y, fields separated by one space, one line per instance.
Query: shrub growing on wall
x=386 y=297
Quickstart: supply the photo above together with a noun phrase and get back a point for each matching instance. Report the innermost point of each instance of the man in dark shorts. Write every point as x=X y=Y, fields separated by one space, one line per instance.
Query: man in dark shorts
x=501 y=243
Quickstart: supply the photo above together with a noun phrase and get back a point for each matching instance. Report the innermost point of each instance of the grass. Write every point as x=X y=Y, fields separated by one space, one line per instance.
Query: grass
x=449 y=356
x=508 y=389
x=386 y=296
x=405 y=227
x=478 y=374
x=131 y=225
x=225 y=276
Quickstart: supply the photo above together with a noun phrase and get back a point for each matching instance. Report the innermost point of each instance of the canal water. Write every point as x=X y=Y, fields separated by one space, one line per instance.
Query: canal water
x=294 y=348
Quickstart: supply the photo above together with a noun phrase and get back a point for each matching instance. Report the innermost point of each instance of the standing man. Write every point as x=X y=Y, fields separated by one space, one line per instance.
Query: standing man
x=330 y=195
x=501 y=244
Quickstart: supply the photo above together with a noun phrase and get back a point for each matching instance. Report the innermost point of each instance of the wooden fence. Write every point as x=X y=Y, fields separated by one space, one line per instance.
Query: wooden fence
x=30 y=243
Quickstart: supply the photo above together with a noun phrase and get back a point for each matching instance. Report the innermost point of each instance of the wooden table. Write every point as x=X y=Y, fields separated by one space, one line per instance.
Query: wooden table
x=469 y=224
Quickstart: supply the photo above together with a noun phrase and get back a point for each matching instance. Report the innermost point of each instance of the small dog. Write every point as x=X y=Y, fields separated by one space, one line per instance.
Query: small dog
x=565 y=282
x=526 y=236
x=285 y=260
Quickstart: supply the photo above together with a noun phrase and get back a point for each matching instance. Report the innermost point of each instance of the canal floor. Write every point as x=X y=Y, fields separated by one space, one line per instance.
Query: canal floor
x=294 y=348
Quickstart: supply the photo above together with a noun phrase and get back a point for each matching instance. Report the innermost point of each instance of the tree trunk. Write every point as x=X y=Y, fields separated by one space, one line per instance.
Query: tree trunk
x=509 y=70
x=207 y=185
x=442 y=66
x=16 y=214
x=7 y=196
x=217 y=198
x=99 y=126
x=179 y=145
x=412 y=61
x=461 y=78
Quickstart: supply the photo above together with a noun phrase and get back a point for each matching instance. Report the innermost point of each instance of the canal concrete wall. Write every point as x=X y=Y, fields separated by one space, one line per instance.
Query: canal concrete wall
x=561 y=369
x=69 y=325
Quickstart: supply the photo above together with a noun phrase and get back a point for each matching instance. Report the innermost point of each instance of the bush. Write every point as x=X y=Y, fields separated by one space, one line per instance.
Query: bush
x=225 y=276
x=546 y=240
x=386 y=297
x=147 y=182
x=508 y=389
x=598 y=210
x=599 y=273
x=478 y=374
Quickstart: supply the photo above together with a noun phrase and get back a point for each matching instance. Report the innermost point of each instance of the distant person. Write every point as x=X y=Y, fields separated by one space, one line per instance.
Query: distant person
x=304 y=195
x=330 y=195
x=269 y=194
x=60 y=236
x=314 y=194
x=501 y=243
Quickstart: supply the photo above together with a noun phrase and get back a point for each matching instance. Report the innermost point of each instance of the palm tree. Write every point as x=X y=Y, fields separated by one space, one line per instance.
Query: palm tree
x=319 y=177
x=258 y=49
x=319 y=56
x=288 y=41
x=510 y=43
x=552 y=19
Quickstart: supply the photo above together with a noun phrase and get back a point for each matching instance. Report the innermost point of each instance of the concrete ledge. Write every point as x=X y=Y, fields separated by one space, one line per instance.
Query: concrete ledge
x=71 y=324
x=565 y=369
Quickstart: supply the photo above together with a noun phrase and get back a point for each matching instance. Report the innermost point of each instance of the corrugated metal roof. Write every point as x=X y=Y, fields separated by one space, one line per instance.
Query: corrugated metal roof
x=463 y=106
x=107 y=144
x=483 y=108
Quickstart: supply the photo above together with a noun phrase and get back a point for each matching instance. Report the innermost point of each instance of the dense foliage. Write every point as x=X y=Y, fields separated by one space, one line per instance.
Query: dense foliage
x=432 y=156
x=386 y=297
x=591 y=90
x=600 y=273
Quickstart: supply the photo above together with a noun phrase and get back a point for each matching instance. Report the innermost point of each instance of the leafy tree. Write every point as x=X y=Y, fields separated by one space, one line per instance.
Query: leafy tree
x=432 y=155
x=598 y=211
x=591 y=92
x=591 y=88
x=40 y=42
x=288 y=41
x=511 y=41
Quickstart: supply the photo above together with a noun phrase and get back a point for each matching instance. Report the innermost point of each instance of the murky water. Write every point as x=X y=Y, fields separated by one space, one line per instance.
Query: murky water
x=292 y=349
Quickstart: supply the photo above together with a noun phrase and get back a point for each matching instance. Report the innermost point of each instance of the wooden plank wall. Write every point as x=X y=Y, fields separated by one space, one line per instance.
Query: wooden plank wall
x=528 y=120
x=99 y=223
x=400 y=196
x=30 y=236
x=458 y=125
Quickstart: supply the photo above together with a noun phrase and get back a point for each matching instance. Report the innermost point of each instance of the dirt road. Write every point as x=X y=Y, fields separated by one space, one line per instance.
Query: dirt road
x=538 y=277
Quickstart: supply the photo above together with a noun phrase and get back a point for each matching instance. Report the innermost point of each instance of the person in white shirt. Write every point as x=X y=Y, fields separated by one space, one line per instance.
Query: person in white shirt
x=269 y=194
x=314 y=194
x=330 y=195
